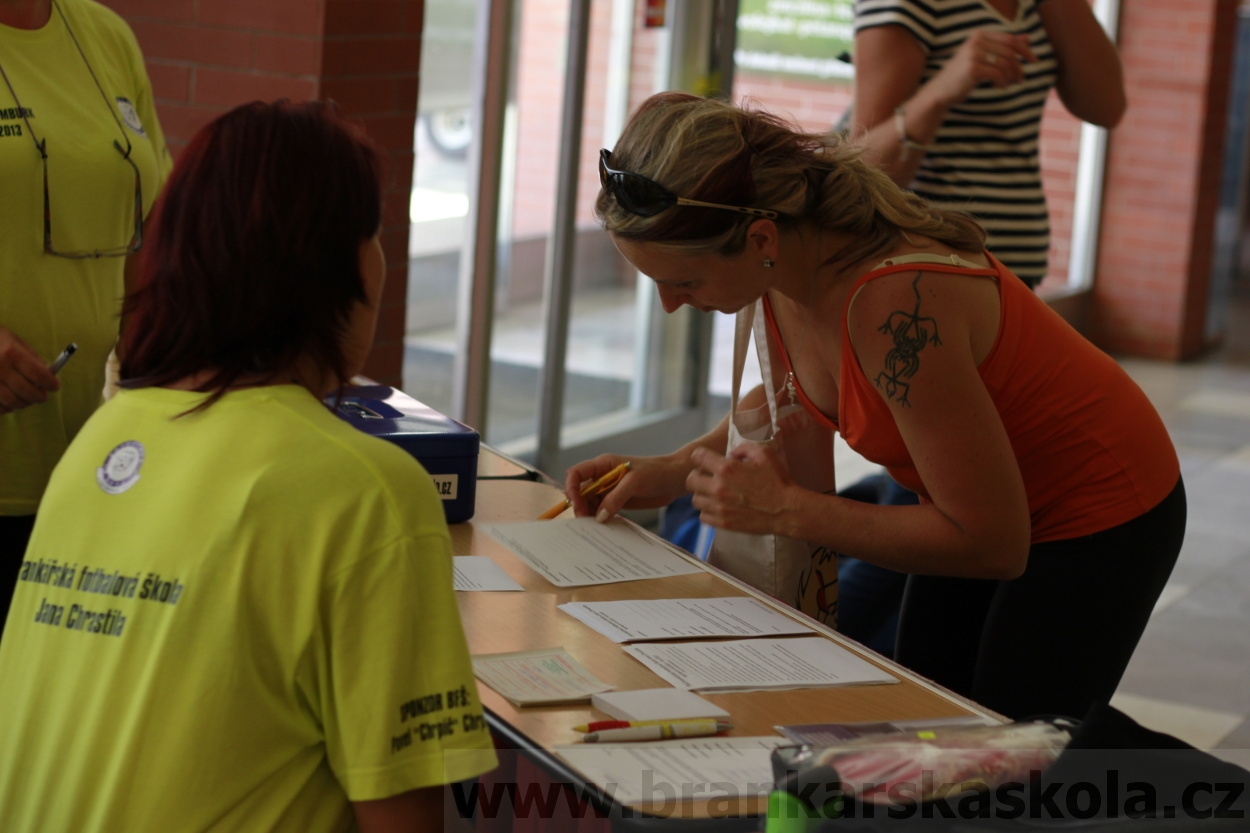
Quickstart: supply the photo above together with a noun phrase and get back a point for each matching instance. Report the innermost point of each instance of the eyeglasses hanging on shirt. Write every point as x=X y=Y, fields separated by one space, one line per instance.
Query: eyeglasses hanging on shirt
x=41 y=145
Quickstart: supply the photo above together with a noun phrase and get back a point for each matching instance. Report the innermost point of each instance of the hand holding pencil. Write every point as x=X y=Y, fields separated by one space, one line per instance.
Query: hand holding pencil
x=609 y=483
x=593 y=487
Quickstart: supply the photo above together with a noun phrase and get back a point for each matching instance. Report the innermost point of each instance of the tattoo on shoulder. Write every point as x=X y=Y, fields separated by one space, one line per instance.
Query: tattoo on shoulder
x=912 y=332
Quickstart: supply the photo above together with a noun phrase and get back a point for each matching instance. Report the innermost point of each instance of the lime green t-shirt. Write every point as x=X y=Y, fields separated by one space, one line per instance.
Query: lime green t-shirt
x=51 y=301
x=237 y=619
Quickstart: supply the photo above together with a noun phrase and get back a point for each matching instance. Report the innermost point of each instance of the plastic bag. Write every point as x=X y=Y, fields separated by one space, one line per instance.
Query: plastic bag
x=913 y=767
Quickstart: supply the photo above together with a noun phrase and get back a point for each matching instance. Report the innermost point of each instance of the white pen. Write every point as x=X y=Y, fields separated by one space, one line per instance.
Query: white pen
x=60 y=360
x=661 y=731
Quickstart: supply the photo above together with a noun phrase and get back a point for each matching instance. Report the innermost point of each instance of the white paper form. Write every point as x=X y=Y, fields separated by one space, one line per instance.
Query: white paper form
x=581 y=551
x=750 y=664
x=642 y=619
x=670 y=771
x=548 y=675
x=478 y=572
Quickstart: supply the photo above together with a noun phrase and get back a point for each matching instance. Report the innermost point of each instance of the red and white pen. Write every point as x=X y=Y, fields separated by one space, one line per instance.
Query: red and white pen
x=600 y=725
x=659 y=731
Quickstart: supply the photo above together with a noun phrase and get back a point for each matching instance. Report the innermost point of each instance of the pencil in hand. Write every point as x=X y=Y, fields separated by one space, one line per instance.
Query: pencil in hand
x=594 y=487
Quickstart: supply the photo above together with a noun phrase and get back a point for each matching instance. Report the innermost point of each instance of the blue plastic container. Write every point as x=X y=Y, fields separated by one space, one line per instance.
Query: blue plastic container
x=446 y=448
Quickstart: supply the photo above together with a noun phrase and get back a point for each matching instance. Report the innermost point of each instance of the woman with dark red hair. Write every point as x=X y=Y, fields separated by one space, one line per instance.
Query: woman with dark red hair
x=236 y=610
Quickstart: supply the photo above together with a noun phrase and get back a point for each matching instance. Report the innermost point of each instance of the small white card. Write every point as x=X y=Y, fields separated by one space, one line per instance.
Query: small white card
x=548 y=675
x=655 y=704
x=479 y=572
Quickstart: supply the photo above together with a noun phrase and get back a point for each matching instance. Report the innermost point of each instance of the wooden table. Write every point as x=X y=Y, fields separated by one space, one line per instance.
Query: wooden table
x=499 y=622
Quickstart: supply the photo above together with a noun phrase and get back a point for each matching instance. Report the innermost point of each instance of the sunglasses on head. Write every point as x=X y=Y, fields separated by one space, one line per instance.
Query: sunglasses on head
x=646 y=198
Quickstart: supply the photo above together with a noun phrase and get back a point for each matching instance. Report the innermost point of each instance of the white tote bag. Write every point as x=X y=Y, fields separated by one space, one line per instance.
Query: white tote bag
x=799 y=573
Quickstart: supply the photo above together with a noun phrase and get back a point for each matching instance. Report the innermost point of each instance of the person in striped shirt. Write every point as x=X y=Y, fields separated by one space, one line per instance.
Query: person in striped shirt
x=949 y=99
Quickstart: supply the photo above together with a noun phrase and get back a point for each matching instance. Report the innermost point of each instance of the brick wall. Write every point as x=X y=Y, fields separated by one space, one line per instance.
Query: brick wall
x=206 y=56
x=1162 y=181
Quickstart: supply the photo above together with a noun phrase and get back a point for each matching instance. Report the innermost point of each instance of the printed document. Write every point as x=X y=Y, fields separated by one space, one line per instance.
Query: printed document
x=478 y=572
x=750 y=664
x=642 y=620
x=548 y=675
x=670 y=771
x=581 y=551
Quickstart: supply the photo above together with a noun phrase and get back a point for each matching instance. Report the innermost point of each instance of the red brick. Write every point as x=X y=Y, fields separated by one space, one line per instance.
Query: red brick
x=395 y=207
x=289 y=54
x=391 y=314
x=393 y=132
x=362 y=96
x=397 y=174
x=229 y=89
x=365 y=17
x=395 y=247
x=170 y=82
x=194 y=44
x=397 y=55
x=414 y=16
x=182 y=121
x=156 y=9
x=386 y=361
x=297 y=17
x=407 y=88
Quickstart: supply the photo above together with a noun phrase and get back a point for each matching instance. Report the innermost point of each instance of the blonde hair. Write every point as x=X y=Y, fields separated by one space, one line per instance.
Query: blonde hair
x=714 y=151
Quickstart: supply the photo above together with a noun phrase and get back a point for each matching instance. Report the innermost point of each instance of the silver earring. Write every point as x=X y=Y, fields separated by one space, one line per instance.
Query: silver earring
x=768 y=263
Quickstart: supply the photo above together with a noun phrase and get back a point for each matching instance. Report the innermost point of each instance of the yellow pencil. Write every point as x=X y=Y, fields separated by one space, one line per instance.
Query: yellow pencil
x=594 y=487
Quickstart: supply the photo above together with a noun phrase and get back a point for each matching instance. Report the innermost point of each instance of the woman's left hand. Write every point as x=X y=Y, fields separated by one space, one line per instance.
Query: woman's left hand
x=745 y=491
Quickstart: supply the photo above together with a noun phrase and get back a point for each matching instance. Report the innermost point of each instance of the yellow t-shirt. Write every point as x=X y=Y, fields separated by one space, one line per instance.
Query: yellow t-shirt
x=238 y=619
x=51 y=301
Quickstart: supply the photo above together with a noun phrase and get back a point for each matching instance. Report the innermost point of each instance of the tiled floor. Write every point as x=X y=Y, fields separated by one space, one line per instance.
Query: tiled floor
x=1190 y=675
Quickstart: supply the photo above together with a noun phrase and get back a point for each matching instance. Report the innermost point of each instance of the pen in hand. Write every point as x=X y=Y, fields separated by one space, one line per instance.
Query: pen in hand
x=60 y=360
x=594 y=487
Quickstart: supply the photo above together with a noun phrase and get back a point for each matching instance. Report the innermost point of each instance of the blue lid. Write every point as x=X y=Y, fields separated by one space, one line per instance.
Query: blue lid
x=383 y=411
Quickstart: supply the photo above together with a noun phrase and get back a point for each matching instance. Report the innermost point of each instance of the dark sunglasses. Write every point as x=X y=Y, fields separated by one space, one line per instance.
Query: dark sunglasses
x=646 y=198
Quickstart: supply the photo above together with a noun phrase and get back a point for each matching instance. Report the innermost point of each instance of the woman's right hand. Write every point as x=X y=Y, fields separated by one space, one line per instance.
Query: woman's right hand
x=987 y=55
x=651 y=482
x=25 y=379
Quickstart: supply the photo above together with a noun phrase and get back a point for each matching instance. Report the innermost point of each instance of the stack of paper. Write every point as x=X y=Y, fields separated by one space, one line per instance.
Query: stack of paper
x=655 y=704
x=744 y=665
x=529 y=678
x=581 y=551
x=479 y=572
x=640 y=620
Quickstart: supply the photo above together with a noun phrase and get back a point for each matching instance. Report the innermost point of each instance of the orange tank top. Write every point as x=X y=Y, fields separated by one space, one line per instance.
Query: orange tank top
x=1092 y=450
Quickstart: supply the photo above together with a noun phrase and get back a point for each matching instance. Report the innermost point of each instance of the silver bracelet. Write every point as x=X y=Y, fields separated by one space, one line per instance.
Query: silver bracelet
x=908 y=144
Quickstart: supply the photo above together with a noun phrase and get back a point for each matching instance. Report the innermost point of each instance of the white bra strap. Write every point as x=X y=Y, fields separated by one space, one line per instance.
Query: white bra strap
x=926 y=257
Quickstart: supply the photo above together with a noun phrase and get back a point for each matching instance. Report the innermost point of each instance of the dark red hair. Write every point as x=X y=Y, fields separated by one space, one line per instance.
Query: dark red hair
x=251 y=258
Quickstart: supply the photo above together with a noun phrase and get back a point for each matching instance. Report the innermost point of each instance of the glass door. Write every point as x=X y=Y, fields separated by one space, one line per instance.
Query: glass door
x=523 y=320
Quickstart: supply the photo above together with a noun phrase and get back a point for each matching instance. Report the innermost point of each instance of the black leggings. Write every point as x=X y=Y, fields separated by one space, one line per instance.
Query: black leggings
x=14 y=533
x=1057 y=639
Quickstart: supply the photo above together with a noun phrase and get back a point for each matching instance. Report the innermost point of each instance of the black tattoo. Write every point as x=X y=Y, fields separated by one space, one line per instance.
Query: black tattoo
x=912 y=332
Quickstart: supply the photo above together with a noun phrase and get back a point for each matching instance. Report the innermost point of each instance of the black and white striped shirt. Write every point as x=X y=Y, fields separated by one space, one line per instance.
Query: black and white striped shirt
x=984 y=159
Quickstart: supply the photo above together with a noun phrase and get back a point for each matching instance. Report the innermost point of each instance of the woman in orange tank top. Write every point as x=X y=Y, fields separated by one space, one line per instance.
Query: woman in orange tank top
x=1051 y=508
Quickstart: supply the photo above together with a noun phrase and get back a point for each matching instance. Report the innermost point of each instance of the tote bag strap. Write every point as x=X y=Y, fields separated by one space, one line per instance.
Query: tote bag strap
x=747 y=323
